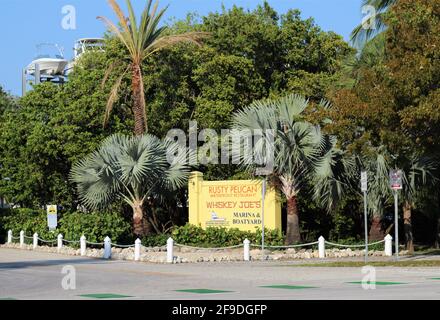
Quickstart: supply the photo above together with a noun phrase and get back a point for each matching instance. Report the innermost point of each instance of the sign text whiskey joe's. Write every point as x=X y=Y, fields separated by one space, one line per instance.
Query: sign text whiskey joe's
x=232 y=204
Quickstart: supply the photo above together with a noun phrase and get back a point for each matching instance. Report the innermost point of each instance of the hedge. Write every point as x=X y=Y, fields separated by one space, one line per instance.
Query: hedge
x=95 y=226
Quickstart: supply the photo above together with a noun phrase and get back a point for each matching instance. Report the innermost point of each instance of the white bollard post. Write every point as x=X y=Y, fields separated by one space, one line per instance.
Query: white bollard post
x=21 y=239
x=35 y=240
x=321 y=247
x=60 y=242
x=83 y=245
x=388 y=245
x=170 y=250
x=107 y=248
x=247 y=254
x=137 y=249
x=9 y=236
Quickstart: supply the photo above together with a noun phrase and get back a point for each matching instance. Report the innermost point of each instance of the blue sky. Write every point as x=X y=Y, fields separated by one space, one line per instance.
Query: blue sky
x=26 y=23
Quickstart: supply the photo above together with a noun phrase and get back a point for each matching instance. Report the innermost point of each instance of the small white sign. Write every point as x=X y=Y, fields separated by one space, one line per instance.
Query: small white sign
x=396 y=179
x=52 y=217
x=364 y=181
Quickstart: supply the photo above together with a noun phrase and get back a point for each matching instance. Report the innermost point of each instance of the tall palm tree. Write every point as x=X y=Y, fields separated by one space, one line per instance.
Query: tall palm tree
x=134 y=169
x=303 y=156
x=377 y=164
x=141 y=41
x=361 y=35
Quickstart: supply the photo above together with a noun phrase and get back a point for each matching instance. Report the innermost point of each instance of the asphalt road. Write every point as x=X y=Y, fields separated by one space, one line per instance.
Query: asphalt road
x=35 y=275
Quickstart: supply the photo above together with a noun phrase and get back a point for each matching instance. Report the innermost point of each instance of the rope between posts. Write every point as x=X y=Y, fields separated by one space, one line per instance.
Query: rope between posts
x=68 y=241
x=353 y=246
x=123 y=246
x=95 y=244
x=47 y=241
x=15 y=238
x=200 y=248
x=287 y=247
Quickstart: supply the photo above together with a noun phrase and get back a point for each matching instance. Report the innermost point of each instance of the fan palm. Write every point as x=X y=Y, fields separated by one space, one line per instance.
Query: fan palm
x=134 y=169
x=141 y=41
x=418 y=171
x=361 y=35
x=303 y=156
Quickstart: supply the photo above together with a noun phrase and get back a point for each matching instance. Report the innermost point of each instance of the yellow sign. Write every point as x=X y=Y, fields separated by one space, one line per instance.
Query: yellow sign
x=232 y=204
x=52 y=209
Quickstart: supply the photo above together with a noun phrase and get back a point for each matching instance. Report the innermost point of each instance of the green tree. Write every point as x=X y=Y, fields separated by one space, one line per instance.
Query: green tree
x=134 y=169
x=303 y=156
x=361 y=35
x=393 y=104
x=140 y=41
x=51 y=128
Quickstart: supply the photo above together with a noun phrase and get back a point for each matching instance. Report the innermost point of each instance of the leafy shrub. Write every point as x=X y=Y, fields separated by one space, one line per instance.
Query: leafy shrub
x=3 y=231
x=30 y=221
x=95 y=226
x=156 y=240
x=221 y=237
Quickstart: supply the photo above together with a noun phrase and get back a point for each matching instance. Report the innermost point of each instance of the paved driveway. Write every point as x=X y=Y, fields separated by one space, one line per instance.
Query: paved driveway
x=38 y=275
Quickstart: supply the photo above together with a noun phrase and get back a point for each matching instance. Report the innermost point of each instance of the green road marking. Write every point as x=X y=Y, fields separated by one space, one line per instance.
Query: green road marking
x=104 y=296
x=288 y=287
x=202 y=291
x=7 y=299
x=434 y=278
x=379 y=283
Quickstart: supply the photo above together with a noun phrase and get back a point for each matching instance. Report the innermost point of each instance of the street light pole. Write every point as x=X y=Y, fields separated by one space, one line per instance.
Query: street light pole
x=262 y=218
x=364 y=189
x=396 y=222
x=366 y=226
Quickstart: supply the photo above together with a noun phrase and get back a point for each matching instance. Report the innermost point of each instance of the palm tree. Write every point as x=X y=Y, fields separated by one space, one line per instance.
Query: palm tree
x=418 y=171
x=353 y=66
x=376 y=163
x=360 y=35
x=303 y=156
x=134 y=169
x=141 y=41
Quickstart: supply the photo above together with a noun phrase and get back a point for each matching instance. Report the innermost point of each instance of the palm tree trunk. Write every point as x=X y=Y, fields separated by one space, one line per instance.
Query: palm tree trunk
x=408 y=227
x=138 y=101
x=437 y=234
x=138 y=217
x=376 y=232
x=437 y=231
x=141 y=226
x=292 y=234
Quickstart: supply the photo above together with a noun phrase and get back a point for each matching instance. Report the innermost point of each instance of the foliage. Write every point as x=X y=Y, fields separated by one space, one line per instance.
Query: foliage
x=30 y=221
x=95 y=226
x=134 y=169
x=141 y=41
x=361 y=35
x=155 y=240
x=221 y=237
x=303 y=156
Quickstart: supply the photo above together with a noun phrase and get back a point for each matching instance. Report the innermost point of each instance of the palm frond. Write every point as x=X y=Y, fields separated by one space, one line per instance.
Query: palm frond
x=168 y=41
x=113 y=97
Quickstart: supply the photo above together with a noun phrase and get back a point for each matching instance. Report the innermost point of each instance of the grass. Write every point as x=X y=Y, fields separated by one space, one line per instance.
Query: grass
x=357 y=264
